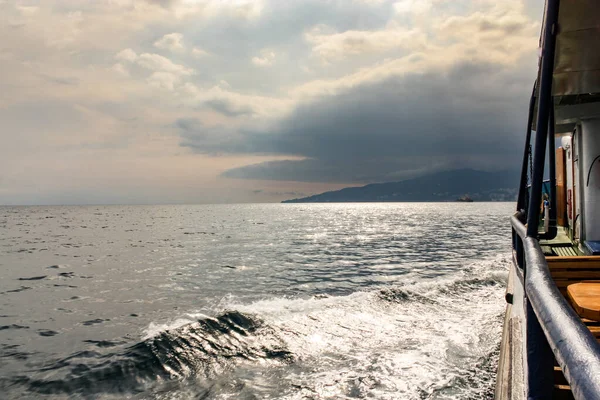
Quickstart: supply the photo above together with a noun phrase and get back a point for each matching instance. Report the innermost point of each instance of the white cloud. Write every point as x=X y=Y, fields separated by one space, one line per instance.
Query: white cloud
x=120 y=69
x=153 y=62
x=210 y=9
x=171 y=41
x=501 y=36
x=164 y=80
x=221 y=98
x=28 y=10
x=495 y=32
x=198 y=52
x=412 y=6
x=164 y=73
x=266 y=58
x=126 y=55
x=335 y=46
x=156 y=62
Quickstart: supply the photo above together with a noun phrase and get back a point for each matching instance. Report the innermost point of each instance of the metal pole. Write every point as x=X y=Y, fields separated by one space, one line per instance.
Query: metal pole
x=522 y=197
x=540 y=382
x=544 y=104
x=551 y=234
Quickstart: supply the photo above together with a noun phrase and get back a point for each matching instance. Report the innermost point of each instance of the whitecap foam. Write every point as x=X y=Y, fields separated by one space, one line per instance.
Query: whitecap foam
x=154 y=329
x=363 y=343
x=424 y=339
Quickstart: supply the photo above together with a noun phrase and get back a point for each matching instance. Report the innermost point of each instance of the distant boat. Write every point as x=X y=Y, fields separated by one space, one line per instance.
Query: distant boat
x=465 y=199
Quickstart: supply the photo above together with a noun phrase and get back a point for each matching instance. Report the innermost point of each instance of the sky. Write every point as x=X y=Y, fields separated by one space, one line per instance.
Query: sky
x=232 y=101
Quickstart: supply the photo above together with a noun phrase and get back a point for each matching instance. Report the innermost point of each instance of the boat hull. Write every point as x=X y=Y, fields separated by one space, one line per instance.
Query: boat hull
x=510 y=382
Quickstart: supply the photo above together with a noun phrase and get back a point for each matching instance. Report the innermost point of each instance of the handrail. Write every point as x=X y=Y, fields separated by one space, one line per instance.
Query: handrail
x=518 y=225
x=575 y=348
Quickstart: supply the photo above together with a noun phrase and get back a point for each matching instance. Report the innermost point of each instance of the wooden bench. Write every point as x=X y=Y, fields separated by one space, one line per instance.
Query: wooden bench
x=585 y=298
x=567 y=270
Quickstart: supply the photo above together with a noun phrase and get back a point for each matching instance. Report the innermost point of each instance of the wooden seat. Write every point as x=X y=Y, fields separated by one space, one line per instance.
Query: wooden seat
x=585 y=297
x=567 y=270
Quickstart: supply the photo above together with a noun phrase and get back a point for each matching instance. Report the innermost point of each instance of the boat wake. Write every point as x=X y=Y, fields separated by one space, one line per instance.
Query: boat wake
x=428 y=339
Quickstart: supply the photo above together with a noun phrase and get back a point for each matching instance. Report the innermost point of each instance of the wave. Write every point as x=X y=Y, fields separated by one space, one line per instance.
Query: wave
x=202 y=348
x=395 y=339
x=492 y=272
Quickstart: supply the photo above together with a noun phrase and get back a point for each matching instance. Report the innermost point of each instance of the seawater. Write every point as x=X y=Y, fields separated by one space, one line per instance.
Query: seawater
x=261 y=301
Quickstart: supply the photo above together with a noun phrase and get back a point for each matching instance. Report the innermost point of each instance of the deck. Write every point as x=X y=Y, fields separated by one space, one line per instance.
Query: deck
x=561 y=245
x=568 y=266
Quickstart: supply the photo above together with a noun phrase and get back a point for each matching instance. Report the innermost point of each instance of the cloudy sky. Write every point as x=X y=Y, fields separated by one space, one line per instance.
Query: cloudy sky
x=202 y=101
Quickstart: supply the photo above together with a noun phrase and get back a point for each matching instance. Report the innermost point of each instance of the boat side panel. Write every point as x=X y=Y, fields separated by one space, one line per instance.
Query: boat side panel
x=510 y=382
x=590 y=179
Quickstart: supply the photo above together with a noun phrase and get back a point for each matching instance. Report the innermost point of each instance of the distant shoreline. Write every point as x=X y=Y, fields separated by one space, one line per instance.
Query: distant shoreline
x=460 y=186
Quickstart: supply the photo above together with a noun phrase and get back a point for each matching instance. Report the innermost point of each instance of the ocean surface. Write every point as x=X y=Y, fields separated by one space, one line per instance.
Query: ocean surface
x=262 y=301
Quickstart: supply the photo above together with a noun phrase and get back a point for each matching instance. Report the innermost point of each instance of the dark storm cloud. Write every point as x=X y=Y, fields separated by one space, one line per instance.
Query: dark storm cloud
x=215 y=140
x=162 y=3
x=227 y=108
x=292 y=193
x=189 y=125
x=61 y=81
x=315 y=170
x=471 y=116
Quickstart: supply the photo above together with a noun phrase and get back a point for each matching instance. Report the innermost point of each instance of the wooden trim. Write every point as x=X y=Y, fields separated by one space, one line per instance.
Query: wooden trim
x=555 y=259
x=575 y=267
x=576 y=275
x=574 y=263
x=595 y=330
x=563 y=283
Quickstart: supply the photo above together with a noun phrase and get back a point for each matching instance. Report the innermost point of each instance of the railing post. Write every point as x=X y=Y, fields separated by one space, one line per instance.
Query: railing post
x=521 y=198
x=543 y=116
x=551 y=234
x=539 y=355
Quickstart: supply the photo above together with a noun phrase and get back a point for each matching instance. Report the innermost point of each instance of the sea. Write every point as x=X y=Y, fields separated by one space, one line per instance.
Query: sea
x=252 y=301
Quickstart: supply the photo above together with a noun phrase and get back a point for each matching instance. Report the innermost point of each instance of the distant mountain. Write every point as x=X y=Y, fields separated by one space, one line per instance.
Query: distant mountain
x=440 y=186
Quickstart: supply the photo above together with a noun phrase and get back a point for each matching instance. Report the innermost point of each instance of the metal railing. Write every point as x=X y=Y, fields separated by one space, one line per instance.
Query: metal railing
x=574 y=347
